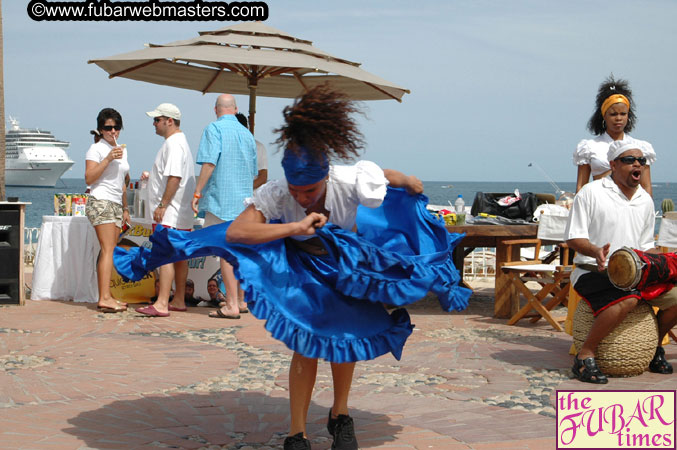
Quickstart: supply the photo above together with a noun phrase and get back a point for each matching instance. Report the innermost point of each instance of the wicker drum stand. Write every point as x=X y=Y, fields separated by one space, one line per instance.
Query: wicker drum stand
x=628 y=349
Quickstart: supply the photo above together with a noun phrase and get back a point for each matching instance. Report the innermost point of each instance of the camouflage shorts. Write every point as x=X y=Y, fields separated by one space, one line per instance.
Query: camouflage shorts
x=100 y=212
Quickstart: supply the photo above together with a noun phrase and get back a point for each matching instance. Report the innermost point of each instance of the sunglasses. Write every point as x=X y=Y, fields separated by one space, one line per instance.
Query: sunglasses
x=157 y=119
x=111 y=127
x=631 y=160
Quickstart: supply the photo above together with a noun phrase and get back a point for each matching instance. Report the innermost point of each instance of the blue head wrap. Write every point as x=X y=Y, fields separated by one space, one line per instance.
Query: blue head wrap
x=302 y=169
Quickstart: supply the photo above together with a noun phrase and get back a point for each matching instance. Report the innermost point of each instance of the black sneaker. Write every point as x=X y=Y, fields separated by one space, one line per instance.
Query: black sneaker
x=296 y=442
x=343 y=431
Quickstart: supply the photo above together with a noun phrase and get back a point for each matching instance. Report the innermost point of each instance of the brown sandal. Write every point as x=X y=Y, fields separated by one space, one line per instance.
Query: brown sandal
x=220 y=315
x=109 y=310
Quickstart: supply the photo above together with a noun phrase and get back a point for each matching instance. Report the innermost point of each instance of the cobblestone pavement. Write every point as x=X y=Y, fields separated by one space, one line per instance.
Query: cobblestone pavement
x=73 y=378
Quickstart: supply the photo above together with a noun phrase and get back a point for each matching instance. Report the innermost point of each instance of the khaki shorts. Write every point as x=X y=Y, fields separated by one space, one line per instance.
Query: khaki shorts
x=211 y=219
x=100 y=212
x=665 y=301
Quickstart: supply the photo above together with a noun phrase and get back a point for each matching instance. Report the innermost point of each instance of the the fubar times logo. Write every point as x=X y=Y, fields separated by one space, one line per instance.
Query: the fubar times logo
x=615 y=419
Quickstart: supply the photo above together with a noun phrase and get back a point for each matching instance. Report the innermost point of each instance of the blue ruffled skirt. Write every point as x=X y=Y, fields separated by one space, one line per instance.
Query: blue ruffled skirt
x=330 y=306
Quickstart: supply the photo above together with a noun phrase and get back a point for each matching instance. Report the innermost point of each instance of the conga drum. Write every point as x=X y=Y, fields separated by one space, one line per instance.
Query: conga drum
x=625 y=269
x=631 y=269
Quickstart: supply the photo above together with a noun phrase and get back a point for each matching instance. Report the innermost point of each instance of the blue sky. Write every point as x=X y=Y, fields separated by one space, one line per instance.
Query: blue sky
x=494 y=84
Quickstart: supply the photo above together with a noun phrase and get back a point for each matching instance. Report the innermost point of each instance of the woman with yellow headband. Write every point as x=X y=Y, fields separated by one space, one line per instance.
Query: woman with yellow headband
x=612 y=119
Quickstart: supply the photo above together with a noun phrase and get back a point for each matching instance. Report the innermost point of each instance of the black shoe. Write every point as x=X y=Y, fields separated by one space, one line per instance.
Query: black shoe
x=590 y=372
x=343 y=431
x=659 y=364
x=296 y=442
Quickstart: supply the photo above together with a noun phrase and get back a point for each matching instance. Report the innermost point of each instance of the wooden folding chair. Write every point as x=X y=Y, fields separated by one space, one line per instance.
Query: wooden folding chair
x=553 y=278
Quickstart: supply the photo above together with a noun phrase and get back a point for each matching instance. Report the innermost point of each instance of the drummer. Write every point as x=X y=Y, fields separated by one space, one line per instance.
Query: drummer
x=608 y=214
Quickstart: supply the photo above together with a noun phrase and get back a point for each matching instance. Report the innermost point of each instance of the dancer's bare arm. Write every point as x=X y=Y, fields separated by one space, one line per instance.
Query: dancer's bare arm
x=250 y=227
x=397 y=179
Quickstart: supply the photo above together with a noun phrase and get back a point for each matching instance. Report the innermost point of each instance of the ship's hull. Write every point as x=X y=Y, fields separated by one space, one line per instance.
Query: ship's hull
x=34 y=173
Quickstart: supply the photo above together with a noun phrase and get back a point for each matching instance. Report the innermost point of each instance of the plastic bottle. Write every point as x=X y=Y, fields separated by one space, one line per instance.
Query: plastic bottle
x=459 y=205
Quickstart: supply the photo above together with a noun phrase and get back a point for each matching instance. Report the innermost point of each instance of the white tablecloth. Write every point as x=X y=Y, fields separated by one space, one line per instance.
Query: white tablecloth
x=667 y=233
x=65 y=260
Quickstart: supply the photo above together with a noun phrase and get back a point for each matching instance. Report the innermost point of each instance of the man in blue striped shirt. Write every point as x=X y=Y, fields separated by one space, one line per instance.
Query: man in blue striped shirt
x=227 y=154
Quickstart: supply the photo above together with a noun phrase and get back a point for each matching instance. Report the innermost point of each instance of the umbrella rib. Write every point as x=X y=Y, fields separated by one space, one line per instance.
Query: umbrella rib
x=257 y=33
x=300 y=80
x=211 y=82
x=234 y=69
x=132 y=69
x=271 y=71
x=383 y=91
x=243 y=68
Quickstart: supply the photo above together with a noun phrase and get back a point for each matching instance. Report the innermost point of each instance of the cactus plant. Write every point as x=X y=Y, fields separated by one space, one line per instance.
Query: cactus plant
x=667 y=205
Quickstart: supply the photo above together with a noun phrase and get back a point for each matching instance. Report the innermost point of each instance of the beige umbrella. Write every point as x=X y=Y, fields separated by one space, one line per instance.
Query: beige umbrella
x=248 y=58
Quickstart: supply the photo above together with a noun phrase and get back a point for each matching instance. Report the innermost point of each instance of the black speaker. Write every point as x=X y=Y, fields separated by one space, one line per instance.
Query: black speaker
x=10 y=259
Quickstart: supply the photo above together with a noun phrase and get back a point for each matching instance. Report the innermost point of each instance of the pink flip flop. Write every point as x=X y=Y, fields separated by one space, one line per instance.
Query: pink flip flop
x=151 y=311
x=174 y=308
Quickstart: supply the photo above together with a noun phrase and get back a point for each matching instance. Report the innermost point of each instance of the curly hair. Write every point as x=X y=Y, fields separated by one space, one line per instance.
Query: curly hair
x=321 y=122
x=609 y=87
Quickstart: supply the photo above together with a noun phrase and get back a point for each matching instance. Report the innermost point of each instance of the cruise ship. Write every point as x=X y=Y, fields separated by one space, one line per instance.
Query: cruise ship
x=34 y=157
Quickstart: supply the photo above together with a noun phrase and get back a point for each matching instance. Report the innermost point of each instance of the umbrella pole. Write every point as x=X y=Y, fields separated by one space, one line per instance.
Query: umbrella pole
x=252 y=106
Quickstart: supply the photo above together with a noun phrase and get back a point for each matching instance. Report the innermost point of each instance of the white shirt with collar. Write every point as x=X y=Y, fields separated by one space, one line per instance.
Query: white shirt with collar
x=173 y=159
x=602 y=214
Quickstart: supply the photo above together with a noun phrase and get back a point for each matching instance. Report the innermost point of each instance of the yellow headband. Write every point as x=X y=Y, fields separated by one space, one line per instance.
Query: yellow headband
x=612 y=100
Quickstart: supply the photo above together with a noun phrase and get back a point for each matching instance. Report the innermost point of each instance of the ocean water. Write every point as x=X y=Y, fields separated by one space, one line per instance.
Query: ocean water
x=439 y=193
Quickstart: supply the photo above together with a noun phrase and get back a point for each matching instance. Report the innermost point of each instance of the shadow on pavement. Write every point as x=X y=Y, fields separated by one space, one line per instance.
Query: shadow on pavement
x=223 y=419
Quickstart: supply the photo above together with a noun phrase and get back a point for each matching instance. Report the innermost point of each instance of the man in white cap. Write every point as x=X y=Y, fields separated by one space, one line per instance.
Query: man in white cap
x=608 y=214
x=170 y=188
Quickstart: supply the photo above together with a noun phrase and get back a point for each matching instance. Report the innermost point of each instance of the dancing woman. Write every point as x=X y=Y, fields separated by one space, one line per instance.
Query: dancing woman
x=317 y=266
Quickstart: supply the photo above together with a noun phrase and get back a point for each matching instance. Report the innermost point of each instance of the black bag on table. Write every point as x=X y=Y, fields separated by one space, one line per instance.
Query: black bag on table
x=486 y=202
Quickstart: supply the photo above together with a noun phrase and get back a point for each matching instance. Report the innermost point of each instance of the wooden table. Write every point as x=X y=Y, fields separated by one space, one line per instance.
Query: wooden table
x=506 y=302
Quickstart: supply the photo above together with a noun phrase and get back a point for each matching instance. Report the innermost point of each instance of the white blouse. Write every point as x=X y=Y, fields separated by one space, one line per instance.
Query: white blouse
x=109 y=184
x=594 y=152
x=347 y=188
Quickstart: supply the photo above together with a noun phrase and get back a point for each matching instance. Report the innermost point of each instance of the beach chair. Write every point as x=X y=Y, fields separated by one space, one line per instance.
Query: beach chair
x=552 y=278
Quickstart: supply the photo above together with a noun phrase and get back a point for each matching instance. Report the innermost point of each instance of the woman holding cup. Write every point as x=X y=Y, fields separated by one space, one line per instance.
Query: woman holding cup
x=106 y=167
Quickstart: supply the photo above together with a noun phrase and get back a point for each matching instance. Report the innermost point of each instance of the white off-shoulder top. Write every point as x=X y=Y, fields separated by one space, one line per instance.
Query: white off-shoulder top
x=594 y=152
x=347 y=187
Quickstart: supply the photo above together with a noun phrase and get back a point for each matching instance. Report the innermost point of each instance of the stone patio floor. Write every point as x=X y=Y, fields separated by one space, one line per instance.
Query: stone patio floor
x=74 y=378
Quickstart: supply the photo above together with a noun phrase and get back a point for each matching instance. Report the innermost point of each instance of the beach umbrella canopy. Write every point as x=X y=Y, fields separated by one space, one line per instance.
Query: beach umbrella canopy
x=248 y=58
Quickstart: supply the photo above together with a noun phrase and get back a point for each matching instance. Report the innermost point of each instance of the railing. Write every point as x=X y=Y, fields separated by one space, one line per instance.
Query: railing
x=31 y=236
x=481 y=263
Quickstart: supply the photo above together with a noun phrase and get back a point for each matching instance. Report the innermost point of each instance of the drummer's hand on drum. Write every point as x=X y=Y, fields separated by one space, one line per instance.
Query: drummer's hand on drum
x=601 y=256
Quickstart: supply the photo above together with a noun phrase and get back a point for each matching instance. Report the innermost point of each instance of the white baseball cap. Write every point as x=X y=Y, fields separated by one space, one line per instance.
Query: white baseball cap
x=166 y=110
